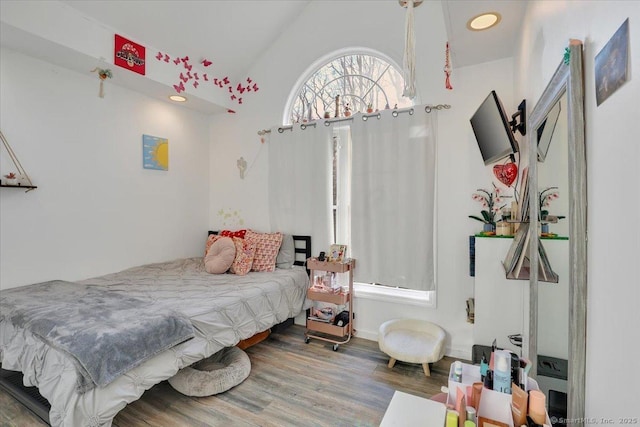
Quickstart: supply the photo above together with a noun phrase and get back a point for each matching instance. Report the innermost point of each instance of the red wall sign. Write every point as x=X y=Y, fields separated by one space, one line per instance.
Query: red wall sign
x=129 y=55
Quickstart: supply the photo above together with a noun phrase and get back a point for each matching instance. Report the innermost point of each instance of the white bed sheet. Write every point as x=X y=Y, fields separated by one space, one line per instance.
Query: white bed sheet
x=223 y=309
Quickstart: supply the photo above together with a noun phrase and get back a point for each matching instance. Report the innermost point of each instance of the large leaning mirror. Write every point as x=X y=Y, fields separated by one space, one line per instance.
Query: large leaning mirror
x=557 y=161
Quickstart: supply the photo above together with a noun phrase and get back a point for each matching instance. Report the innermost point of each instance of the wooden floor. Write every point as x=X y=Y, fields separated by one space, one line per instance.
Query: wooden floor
x=291 y=384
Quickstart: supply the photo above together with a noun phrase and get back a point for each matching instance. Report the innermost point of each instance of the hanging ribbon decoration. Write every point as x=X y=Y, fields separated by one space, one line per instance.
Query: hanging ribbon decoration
x=103 y=75
x=409 y=61
x=447 y=69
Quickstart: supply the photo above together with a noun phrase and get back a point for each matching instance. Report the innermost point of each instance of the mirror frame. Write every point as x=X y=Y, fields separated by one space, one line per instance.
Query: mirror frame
x=567 y=78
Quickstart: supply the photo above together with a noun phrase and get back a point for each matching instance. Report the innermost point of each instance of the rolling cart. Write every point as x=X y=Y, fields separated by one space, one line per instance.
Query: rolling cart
x=325 y=329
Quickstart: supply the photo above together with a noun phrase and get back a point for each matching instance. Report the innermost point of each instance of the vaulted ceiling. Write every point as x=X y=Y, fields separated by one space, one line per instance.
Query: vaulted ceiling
x=233 y=34
x=238 y=32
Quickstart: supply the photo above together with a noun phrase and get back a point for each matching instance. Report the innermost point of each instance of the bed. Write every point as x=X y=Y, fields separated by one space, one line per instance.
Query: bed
x=222 y=308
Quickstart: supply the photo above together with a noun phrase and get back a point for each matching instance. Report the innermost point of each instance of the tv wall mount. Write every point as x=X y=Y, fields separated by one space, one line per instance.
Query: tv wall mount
x=521 y=114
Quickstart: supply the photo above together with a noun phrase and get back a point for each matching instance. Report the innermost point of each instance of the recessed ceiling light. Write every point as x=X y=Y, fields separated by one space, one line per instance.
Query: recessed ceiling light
x=178 y=98
x=484 y=21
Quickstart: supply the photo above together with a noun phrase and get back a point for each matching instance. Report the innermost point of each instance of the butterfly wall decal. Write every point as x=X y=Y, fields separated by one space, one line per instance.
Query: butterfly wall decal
x=179 y=88
x=186 y=76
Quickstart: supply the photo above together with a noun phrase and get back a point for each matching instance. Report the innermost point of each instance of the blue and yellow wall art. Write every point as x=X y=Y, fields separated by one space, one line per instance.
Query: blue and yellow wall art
x=155 y=153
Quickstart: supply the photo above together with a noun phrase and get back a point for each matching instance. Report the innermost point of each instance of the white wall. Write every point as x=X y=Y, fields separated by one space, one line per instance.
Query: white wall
x=320 y=30
x=105 y=200
x=96 y=210
x=613 y=187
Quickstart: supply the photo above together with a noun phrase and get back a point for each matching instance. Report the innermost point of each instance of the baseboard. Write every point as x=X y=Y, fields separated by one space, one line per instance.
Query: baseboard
x=367 y=335
x=462 y=353
x=458 y=352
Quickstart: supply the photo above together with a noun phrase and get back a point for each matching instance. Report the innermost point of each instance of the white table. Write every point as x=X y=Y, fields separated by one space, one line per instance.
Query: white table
x=409 y=410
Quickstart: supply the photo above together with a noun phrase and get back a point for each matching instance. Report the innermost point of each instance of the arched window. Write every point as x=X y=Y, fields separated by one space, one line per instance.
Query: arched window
x=358 y=80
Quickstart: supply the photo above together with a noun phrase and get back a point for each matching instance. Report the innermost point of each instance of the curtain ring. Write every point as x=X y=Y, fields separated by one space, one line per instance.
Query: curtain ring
x=395 y=113
x=280 y=130
x=379 y=116
x=411 y=112
x=327 y=123
x=365 y=118
x=303 y=126
x=427 y=108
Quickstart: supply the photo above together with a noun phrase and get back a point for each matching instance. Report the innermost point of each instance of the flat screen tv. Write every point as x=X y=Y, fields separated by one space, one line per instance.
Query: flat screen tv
x=493 y=132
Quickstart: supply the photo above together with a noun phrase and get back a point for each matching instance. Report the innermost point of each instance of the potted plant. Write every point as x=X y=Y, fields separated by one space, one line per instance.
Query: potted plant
x=11 y=179
x=545 y=198
x=489 y=202
x=370 y=108
x=347 y=110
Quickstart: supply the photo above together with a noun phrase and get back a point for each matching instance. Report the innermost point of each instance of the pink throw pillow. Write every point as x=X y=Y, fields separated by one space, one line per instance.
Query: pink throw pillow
x=220 y=256
x=267 y=247
x=212 y=238
x=245 y=252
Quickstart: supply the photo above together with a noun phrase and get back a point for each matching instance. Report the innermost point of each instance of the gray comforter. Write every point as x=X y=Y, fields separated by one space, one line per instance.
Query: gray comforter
x=105 y=333
x=223 y=309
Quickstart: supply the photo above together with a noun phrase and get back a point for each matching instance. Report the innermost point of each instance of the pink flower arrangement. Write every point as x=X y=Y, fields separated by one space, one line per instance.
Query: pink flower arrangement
x=490 y=202
x=545 y=198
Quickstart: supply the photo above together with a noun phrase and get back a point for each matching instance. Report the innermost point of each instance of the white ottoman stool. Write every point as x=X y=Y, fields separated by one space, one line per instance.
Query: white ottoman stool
x=412 y=341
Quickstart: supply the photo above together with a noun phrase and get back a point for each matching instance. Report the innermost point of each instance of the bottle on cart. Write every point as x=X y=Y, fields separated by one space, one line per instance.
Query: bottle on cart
x=502 y=372
x=484 y=366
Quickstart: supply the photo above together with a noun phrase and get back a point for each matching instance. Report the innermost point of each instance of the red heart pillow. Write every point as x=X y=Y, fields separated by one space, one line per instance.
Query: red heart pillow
x=506 y=174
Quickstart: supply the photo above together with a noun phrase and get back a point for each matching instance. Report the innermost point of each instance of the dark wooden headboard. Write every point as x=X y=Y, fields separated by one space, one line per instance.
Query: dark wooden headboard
x=302 y=247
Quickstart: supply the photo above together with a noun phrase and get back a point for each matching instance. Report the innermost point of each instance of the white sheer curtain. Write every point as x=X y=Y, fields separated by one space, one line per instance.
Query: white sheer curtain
x=300 y=190
x=393 y=197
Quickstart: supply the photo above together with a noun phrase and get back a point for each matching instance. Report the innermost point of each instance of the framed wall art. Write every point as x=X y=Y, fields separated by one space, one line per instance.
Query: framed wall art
x=612 y=64
x=155 y=153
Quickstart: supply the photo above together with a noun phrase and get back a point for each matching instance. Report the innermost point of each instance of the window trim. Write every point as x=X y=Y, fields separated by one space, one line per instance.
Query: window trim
x=395 y=295
x=324 y=60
